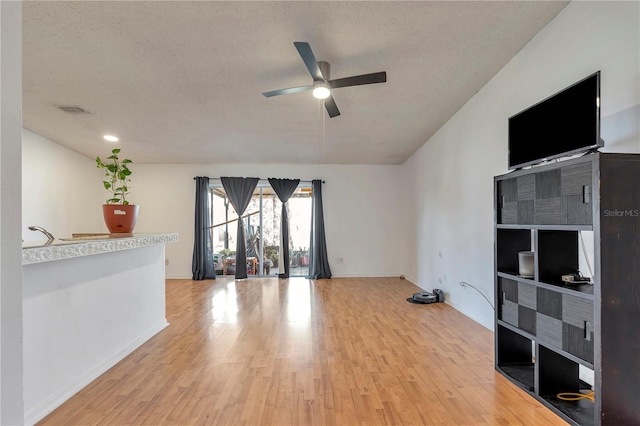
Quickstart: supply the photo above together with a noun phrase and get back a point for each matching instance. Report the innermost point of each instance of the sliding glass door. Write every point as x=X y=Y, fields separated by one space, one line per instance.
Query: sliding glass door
x=262 y=231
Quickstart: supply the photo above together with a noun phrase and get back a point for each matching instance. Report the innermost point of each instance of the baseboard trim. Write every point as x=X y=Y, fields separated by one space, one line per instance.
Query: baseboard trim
x=41 y=410
x=178 y=277
x=389 y=275
x=412 y=280
x=488 y=326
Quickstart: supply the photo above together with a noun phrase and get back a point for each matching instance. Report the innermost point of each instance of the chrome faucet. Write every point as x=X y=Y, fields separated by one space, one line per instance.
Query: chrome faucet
x=50 y=237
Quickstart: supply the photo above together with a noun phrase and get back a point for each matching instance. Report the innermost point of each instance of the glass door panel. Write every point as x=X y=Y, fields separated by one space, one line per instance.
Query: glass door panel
x=299 y=213
x=262 y=231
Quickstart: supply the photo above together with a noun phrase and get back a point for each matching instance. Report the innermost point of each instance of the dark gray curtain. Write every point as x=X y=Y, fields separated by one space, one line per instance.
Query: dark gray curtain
x=239 y=191
x=318 y=259
x=284 y=188
x=202 y=265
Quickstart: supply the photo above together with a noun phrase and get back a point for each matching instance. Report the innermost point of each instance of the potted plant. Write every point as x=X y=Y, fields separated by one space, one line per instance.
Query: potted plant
x=119 y=215
x=304 y=257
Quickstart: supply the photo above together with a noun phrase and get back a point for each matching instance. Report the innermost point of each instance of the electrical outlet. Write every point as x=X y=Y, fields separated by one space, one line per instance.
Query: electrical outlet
x=166 y=262
x=339 y=260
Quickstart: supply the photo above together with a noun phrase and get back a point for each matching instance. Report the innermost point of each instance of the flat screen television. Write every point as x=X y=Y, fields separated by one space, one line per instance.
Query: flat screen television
x=565 y=123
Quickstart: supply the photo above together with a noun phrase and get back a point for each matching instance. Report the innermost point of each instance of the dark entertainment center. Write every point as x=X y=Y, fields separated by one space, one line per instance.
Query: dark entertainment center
x=546 y=327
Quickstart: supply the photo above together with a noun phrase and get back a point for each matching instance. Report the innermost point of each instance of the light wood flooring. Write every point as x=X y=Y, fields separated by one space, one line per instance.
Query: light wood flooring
x=347 y=351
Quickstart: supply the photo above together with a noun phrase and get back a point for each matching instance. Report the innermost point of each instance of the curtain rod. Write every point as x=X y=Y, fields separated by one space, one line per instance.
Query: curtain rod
x=301 y=181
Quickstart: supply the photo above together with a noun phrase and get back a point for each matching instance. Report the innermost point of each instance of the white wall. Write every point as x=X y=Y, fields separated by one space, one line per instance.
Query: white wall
x=61 y=190
x=362 y=208
x=451 y=176
x=11 y=370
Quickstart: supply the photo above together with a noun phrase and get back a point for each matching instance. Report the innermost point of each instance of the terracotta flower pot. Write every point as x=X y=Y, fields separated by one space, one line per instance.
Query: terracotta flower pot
x=120 y=218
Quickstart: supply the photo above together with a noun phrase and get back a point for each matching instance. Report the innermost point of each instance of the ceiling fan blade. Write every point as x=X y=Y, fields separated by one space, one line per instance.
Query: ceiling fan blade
x=309 y=59
x=331 y=107
x=357 y=80
x=287 y=91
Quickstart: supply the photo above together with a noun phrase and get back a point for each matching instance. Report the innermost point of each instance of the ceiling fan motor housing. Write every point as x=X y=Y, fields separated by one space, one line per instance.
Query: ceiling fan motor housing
x=325 y=69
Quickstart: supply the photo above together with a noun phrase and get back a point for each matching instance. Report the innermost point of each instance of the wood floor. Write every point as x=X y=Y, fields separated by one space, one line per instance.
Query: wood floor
x=265 y=351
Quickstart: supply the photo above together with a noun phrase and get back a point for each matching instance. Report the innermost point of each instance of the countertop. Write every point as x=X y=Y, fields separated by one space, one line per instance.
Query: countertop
x=89 y=244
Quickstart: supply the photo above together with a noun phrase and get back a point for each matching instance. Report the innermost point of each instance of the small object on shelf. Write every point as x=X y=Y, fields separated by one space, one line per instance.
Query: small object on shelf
x=575 y=396
x=525 y=264
x=575 y=279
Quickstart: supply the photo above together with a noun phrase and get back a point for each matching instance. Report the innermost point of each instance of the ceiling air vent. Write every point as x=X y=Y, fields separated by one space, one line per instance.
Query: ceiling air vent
x=71 y=108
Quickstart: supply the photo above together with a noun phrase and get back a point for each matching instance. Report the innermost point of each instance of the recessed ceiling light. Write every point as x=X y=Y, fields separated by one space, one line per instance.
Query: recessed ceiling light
x=111 y=138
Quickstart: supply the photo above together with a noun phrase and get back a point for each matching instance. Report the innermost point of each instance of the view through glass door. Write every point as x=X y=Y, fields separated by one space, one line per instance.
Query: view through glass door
x=262 y=231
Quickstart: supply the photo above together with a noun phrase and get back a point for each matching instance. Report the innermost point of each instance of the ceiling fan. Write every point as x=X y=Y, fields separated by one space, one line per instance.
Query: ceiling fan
x=322 y=85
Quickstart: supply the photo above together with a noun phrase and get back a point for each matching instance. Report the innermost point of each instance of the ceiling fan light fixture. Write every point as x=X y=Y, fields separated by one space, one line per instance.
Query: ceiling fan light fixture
x=322 y=84
x=321 y=90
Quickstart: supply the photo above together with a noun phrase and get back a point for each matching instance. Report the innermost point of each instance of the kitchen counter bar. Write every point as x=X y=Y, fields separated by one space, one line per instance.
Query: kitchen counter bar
x=38 y=252
x=86 y=305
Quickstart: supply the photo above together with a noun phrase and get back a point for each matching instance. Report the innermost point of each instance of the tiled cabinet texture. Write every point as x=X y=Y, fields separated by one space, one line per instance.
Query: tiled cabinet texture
x=547 y=330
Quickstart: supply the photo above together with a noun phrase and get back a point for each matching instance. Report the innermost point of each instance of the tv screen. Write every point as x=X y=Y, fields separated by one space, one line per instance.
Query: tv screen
x=563 y=124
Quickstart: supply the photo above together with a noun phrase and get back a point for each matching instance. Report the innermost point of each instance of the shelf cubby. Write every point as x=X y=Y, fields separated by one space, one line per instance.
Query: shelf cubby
x=509 y=243
x=557 y=255
x=515 y=358
x=559 y=374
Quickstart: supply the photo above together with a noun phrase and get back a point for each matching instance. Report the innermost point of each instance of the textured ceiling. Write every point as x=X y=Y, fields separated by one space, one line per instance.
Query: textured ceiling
x=181 y=81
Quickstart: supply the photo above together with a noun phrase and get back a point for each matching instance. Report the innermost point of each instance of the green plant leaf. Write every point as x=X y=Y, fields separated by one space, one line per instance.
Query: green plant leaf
x=126 y=203
x=116 y=176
